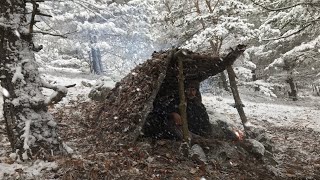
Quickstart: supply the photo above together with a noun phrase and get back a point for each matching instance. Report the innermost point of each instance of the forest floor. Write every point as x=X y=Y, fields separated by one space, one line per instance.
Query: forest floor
x=293 y=128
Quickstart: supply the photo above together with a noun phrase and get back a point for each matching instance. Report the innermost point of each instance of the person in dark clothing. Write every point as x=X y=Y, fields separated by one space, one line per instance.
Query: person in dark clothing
x=197 y=116
x=165 y=121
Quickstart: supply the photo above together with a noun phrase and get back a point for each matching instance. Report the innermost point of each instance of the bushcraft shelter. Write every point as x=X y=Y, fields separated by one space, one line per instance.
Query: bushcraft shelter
x=129 y=103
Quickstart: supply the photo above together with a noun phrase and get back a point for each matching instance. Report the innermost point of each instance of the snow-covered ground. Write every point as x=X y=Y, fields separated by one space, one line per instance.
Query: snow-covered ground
x=258 y=110
x=287 y=113
x=31 y=170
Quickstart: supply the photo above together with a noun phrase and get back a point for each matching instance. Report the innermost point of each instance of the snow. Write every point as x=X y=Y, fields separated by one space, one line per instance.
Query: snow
x=67 y=148
x=49 y=99
x=277 y=62
x=52 y=123
x=16 y=32
x=18 y=75
x=3 y=92
x=289 y=115
x=30 y=169
x=26 y=134
x=264 y=87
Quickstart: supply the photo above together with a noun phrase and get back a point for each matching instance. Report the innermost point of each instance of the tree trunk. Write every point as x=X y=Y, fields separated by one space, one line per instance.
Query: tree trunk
x=99 y=60
x=223 y=79
x=30 y=127
x=254 y=75
x=90 y=62
x=293 y=94
x=236 y=96
x=254 y=78
x=95 y=56
x=316 y=89
x=95 y=61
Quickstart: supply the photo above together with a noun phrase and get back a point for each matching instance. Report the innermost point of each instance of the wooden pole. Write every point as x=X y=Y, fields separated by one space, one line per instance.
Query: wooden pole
x=183 y=103
x=238 y=103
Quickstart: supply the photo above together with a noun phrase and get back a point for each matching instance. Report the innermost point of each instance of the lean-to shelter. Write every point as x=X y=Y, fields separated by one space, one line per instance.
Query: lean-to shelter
x=129 y=103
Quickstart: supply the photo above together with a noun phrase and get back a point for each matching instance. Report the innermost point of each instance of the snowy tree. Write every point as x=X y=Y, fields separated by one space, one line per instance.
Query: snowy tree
x=31 y=129
x=203 y=25
x=120 y=27
x=209 y=26
x=290 y=40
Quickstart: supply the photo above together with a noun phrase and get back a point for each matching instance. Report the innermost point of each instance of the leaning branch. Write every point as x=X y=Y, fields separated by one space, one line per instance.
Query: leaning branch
x=51 y=34
x=42 y=14
x=238 y=103
x=233 y=85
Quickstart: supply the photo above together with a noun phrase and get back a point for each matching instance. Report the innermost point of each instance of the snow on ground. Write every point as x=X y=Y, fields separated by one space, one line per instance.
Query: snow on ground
x=289 y=114
x=67 y=76
x=25 y=170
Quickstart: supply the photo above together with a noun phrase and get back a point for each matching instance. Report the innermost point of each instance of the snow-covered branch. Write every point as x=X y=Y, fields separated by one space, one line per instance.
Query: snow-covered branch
x=4 y=92
x=51 y=34
x=314 y=4
x=291 y=34
x=59 y=92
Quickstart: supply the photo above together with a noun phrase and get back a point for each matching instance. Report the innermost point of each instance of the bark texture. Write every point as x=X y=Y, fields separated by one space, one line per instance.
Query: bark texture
x=30 y=128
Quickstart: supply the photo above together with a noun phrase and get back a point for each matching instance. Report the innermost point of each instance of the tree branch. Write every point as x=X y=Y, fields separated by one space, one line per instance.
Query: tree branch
x=60 y=92
x=42 y=14
x=294 y=33
x=51 y=34
x=33 y=15
x=317 y=4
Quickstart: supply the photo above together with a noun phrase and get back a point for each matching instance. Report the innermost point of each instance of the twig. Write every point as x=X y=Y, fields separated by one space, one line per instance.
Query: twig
x=51 y=34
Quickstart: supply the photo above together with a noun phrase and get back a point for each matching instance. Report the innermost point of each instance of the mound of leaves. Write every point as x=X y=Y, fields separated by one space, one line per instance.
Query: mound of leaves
x=97 y=156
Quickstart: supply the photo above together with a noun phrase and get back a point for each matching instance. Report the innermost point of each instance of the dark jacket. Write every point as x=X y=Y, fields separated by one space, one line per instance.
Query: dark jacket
x=159 y=125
